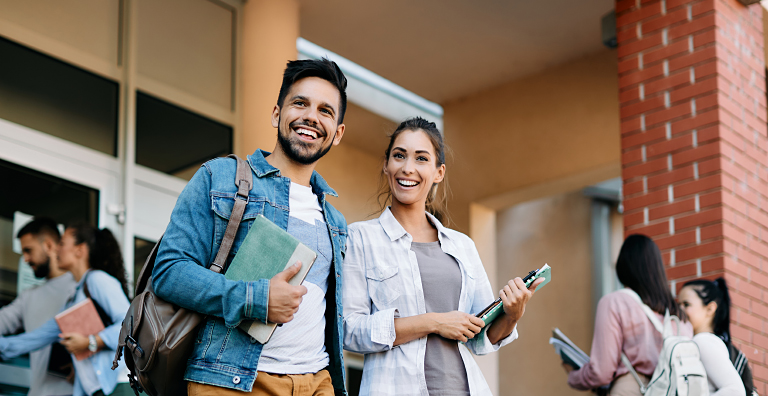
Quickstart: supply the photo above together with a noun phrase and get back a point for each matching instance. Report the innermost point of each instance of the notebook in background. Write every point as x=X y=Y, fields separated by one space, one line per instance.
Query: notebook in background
x=80 y=318
x=266 y=251
x=568 y=351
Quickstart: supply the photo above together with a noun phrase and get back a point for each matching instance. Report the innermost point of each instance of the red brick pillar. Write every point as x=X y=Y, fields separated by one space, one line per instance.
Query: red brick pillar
x=694 y=162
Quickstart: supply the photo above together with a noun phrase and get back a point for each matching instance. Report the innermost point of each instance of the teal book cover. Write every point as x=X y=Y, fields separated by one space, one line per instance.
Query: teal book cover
x=266 y=251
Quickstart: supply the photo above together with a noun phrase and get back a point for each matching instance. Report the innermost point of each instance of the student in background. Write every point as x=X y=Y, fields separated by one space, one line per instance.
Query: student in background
x=622 y=326
x=412 y=286
x=94 y=259
x=707 y=305
x=39 y=240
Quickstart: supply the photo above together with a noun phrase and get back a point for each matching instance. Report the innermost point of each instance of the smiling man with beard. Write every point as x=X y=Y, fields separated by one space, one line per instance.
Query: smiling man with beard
x=304 y=355
x=39 y=240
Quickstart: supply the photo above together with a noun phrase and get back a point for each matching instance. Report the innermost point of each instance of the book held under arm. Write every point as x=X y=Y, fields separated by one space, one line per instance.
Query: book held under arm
x=266 y=251
x=80 y=318
x=567 y=350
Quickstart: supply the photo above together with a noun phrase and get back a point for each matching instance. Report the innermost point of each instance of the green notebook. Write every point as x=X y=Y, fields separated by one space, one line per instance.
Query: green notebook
x=493 y=311
x=266 y=251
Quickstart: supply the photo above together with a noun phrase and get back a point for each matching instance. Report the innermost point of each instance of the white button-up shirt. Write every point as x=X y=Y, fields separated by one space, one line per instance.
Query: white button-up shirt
x=382 y=282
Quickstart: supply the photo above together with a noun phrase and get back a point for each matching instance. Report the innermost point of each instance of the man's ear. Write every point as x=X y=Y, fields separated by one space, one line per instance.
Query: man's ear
x=276 y=116
x=339 y=134
x=49 y=246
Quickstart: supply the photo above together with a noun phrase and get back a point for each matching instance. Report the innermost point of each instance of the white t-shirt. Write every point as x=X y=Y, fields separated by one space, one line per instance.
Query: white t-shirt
x=298 y=347
x=723 y=378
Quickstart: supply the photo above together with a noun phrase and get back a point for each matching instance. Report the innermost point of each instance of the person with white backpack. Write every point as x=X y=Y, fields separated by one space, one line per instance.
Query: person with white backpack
x=623 y=330
x=707 y=305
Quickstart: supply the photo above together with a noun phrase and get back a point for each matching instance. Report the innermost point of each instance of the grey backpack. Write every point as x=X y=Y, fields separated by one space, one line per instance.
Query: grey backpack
x=679 y=370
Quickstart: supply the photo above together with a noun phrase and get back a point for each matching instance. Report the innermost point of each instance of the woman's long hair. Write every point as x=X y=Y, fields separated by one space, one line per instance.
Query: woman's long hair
x=716 y=291
x=640 y=268
x=103 y=250
x=437 y=199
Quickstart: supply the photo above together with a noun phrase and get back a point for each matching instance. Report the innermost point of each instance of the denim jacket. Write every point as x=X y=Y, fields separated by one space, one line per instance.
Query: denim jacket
x=224 y=355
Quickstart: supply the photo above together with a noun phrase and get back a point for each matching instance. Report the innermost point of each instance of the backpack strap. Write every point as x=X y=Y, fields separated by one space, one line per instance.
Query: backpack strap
x=628 y=364
x=656 y=323
x=648 y=311
x=243 y=181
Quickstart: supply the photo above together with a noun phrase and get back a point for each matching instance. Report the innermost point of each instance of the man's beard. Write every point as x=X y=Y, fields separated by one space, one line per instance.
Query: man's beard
x=292 y=148
x=43 y=269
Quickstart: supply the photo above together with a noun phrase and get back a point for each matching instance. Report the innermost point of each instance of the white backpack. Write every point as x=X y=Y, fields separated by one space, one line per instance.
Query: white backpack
x=679 y=371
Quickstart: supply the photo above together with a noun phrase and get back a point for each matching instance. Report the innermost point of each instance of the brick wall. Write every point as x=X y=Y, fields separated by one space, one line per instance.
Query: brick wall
x=695 y=169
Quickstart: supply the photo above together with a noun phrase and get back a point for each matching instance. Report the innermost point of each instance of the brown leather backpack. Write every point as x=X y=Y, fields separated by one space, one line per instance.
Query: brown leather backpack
x=158 y=336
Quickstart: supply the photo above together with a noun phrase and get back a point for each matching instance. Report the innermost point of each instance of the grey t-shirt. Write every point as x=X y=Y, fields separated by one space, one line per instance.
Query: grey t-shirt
x=29 y=311
x=441 y=280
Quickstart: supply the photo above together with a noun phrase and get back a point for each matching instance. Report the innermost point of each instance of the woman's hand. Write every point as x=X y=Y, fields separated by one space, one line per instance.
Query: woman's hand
x=515 y=295
x=74 y=342
x=457 y=325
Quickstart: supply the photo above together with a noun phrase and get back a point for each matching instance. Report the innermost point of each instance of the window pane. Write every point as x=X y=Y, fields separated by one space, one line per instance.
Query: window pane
x=51 y=96
x=174 y=140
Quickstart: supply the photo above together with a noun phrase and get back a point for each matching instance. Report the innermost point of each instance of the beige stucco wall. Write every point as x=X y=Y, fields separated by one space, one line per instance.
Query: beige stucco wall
x=553 y=230
x=270 y=30
x=561 y=122
x=354 y=174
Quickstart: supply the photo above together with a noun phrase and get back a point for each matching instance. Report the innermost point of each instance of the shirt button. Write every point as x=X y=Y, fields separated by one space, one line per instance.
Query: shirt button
x=253 y=340
x=98 y=372
x=236 y=380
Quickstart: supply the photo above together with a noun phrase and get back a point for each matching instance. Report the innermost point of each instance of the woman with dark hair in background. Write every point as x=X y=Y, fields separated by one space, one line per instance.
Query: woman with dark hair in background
x=94 y=259
x=707 y=305
x=621 y=325
x=412 y=286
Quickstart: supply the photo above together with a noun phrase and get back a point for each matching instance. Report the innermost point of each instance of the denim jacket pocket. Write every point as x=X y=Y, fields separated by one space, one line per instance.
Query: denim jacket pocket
x=383 y=284
x=222 y=205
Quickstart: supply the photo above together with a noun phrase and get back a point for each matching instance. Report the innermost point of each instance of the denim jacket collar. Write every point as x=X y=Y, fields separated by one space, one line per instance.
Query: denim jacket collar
x=395 y=231
x=262 y=168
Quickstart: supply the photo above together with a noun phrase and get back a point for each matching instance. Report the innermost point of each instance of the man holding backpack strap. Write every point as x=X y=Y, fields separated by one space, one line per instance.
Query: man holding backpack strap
x=304 y=356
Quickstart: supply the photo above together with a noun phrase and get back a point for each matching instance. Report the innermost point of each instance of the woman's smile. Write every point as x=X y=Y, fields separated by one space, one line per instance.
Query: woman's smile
x=407 y=183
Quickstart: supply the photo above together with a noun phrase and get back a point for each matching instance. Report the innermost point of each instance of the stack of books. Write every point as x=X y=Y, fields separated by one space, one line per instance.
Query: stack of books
x=567 y=350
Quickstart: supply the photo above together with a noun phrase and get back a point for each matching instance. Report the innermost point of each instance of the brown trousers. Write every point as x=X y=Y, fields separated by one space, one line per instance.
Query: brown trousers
x=626 y=385
x=318 y=384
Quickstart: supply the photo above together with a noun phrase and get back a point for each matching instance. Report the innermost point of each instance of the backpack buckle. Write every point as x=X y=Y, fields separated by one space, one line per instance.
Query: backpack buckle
x=243 y=187
x=134 y=345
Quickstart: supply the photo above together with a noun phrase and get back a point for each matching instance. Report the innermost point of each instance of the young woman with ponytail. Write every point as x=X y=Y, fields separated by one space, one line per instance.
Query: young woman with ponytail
x=93 y=257
x=412 y=286
x=622 y=326
x=708 y=305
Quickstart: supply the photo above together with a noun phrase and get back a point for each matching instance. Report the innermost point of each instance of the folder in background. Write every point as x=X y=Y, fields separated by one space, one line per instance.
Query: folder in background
x=80 y=318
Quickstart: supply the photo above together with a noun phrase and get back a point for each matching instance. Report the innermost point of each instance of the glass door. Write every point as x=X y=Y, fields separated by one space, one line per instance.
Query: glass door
x=44 y=175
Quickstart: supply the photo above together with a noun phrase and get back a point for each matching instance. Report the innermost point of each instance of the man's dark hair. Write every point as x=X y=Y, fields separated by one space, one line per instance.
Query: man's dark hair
x=322 y=68
x=40 y=226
